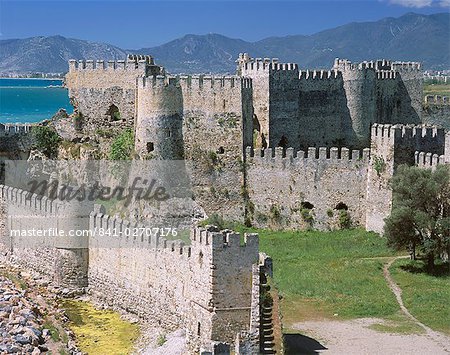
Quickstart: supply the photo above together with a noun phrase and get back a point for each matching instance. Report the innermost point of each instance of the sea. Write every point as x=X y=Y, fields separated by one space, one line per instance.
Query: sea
x=31 y=100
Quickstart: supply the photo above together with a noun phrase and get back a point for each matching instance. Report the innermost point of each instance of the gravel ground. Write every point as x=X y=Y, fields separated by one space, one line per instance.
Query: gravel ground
x=354 y=337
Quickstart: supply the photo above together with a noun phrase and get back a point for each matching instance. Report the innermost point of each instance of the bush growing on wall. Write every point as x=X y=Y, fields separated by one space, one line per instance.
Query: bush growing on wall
x=122 y=147
x=46 y=140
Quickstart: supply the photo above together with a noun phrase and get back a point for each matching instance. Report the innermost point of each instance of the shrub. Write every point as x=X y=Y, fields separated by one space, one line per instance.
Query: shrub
x=122 y=147
x=345 y=221
x=46 y=140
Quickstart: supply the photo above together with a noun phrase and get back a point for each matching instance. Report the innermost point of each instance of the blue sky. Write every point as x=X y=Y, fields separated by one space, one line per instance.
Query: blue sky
x=137 y=24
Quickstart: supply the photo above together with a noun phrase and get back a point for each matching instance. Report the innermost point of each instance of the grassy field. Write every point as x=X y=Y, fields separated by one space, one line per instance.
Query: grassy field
x=100 y=331
x=340 y=275
x=436 y=89
x=427 y=297
x=333 y=274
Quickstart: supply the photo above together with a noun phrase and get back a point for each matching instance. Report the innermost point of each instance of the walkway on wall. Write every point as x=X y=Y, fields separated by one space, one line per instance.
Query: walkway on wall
x=437 y=337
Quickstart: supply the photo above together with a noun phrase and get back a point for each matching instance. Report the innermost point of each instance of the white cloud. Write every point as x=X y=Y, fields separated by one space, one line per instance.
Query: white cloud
x=420 y=3
x=413 y=3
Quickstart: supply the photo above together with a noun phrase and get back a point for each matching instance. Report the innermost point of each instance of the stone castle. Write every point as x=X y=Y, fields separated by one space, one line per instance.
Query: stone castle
x=273 y=146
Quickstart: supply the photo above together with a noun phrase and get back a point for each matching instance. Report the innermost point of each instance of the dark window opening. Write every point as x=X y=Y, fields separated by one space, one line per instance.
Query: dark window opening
x=221 y=150
x=256 y=124
x=263 y=141
x=168 y=132
x=341 y=206
x=283 y=142
x=307 y=205
x=150 y=147
x=198 y=328
x=114 y=113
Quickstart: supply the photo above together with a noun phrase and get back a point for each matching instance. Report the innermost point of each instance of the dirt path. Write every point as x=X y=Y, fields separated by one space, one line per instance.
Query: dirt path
x=356 y=336
x=439 y=338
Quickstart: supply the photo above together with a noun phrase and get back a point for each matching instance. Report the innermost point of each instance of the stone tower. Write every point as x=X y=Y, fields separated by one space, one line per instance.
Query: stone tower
x=159 y=118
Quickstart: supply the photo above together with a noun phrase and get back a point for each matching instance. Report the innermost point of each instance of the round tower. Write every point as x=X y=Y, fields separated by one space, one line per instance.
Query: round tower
x=360 y=89
x=159 y=118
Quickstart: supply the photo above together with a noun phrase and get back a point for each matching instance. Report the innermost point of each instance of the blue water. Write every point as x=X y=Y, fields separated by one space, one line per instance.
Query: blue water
x=31 y=100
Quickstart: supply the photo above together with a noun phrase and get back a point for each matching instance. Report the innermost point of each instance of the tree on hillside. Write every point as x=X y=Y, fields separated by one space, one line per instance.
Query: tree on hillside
x=420 y=216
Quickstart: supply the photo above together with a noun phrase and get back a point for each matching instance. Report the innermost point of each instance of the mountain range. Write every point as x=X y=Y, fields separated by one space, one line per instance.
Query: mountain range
x=411 y=37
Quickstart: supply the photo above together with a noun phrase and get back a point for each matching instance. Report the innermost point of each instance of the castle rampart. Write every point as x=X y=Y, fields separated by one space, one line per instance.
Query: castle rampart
x=305 y=188
x=203 y=287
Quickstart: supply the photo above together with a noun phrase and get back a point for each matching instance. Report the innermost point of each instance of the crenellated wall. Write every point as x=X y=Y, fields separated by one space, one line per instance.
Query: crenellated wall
x=60 y=257
x=392 y=145
x=282 y=187
x=206 y=286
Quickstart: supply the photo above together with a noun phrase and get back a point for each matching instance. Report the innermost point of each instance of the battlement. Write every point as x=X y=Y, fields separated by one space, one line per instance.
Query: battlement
x=437 y=100
x=405 y=131
x=211 y=235
x=386 y=74
x=377 y=65
x=41 y=204
x=15 y=128
x=428 y=160
x=132 y=62
x=319 y=74
x=247 y=63
x=312 y=154
x=407 y=66
x=197 y=82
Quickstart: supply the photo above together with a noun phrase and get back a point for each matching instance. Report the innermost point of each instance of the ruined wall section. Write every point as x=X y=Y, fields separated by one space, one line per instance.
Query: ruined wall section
x=217 y=114
x=175 y=284
x=323 y=118
x=307 y=189
x=259 y=71
x=15 y=141
x=103 y=93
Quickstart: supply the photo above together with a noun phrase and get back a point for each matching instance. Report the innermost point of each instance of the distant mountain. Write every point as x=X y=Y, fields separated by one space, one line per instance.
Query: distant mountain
x=412 y=37
x=50 y=54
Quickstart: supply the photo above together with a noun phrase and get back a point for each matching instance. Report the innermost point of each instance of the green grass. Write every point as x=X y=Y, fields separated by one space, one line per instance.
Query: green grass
x=436 y=89
x=397 y=323
x=427 y=297
x=330 y=272
x=100 y=331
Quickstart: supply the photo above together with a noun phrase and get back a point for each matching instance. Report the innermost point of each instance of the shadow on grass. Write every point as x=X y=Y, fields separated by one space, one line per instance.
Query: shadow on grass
x=298 y=344
x=439 y=270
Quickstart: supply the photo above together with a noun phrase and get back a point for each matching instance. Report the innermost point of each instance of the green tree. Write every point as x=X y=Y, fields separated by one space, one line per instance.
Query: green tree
x=46 y=140
x=420 y=216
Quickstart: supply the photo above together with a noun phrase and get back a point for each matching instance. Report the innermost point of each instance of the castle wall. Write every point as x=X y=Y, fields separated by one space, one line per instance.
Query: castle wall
x=259 y=73
x=217 y=114
x=63 y=259
x=436 y=111
x=95 y=86
x=392 y=145
x=279 y=187
x=205 y=286
x=323 y=118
